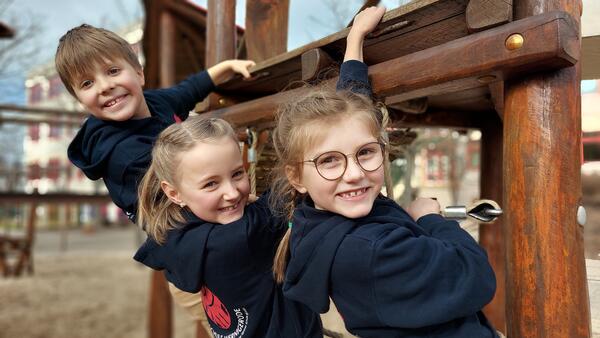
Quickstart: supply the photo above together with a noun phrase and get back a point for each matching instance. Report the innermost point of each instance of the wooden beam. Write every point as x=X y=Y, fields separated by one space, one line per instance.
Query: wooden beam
x=547 y=290
x=220 y=39
x=438 y=119
x=404 y=30
x=266 y=28
x=551 y=41
x=491 y=236
x=497 y=96
x=52 y=198
x=314 y=61
x=458 y=65
x=485 y=14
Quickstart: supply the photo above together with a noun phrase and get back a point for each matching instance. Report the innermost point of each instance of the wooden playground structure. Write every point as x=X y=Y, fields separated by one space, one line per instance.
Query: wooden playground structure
x=509 y=68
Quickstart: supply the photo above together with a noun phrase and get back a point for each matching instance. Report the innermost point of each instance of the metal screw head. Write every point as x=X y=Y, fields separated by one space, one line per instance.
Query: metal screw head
x=221 y=101
x=515 y=41
x=581 y=215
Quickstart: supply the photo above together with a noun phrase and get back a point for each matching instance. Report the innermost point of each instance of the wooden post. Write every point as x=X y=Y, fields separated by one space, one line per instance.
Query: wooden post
x=546 y=279
x=160 y=316
x=220 y=38
x=266 y=28
x=491 y=236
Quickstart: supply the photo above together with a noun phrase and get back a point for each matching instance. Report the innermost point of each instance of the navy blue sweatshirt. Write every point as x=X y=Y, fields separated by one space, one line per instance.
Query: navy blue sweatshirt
x=232 y=265
x=389 y=276
x=119 y=152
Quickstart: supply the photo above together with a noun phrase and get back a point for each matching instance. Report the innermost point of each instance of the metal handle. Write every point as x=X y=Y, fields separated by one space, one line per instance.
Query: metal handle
x=484 y=211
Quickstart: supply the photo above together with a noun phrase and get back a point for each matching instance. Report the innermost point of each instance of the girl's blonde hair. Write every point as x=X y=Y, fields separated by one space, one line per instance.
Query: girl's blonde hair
x=156 y=212
x=300 y=124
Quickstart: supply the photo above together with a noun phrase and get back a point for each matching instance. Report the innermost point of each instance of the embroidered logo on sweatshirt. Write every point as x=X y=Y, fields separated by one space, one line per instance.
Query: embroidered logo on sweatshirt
x=218 y=314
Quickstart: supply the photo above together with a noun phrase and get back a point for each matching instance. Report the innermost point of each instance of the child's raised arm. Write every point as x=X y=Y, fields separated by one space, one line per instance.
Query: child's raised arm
x=364 y=23
x=223 y=70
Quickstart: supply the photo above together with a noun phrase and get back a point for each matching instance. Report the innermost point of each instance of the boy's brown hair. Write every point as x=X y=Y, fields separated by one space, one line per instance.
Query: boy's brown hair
x=85 y=46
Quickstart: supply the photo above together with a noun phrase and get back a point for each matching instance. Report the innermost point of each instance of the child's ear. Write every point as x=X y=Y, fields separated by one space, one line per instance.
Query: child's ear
x=140 y=73
x=171 y=192
x=293 y=177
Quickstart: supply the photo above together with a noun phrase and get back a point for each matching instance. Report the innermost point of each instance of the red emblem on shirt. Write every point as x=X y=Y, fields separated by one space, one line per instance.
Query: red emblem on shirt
x=215 y=310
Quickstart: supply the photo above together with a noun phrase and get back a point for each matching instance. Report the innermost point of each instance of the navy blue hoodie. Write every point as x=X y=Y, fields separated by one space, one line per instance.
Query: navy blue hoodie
x=389 y=276
x=232 y=265
x=119 y=152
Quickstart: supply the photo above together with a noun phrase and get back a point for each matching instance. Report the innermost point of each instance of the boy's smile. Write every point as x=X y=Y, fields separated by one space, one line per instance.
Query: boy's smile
x=113 y=91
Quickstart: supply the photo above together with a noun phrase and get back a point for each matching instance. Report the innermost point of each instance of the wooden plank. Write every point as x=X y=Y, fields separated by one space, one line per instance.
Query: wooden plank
x=167 y=49
x=551 y=41
x=438 y=119
x=497 y=96
x=160 y=316
x=428 y=23
x=314 y=62
x=553 y=44
x=547 y=294
x=485 y=14
x=491 y=236
x=266 y=28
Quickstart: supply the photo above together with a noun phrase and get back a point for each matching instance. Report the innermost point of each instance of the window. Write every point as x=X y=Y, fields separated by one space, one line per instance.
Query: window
x=56 y=87
x=35 y=93
x=33 y=171
x=55 y=130
x=34 y=132
x=53 y=169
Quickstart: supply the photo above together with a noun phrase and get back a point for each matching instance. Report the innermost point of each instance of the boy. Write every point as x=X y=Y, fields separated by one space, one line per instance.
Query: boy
x=102 y=72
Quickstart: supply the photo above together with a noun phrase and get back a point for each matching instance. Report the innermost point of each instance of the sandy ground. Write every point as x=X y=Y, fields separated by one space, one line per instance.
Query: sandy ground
x=91 y=289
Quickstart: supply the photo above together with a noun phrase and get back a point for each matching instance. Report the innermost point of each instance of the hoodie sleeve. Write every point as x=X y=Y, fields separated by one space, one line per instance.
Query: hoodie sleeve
x=181 y=257
x=265 y=229
x=184 y=96
x=420 y=281
x=354 y=76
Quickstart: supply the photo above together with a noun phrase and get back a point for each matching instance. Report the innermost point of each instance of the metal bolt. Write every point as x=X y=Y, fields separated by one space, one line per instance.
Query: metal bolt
x=581 y=215
x=221 y=101
x=515 y=41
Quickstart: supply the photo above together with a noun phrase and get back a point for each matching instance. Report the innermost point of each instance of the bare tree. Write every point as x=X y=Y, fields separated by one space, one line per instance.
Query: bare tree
x=18 y=54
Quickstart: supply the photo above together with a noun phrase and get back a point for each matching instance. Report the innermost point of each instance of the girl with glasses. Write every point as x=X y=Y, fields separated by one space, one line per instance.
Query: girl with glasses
x=390 y=272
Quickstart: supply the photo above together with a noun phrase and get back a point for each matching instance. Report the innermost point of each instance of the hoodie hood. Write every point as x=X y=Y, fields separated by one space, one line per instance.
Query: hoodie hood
x=94 y=143
x=181 y=256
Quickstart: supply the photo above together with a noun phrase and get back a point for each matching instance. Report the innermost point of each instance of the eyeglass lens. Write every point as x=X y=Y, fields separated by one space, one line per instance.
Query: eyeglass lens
x=332 y=165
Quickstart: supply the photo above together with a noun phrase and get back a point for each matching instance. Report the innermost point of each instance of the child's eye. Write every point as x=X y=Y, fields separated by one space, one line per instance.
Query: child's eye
x=238 y=173
x=209 y=185
x=85 y=84
x=113 y=71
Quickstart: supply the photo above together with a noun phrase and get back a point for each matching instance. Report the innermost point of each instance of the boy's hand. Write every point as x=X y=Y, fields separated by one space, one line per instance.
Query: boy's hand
x=423 y=206
x=224 y=70
x=241 y=67
x=366 y=21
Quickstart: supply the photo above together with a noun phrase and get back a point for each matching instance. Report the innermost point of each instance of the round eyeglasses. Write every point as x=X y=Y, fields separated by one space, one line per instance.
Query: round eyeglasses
x=332 y=164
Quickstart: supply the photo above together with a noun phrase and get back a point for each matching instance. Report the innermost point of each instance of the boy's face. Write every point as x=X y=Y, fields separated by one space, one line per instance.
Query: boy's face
x=212 y=181
x=113 y=91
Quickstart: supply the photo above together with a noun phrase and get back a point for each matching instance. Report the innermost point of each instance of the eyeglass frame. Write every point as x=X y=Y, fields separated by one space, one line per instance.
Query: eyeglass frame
x=354 y=157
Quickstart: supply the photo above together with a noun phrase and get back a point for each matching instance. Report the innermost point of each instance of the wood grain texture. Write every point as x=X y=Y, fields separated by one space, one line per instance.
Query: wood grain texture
x=546 y=281
x=485 y=14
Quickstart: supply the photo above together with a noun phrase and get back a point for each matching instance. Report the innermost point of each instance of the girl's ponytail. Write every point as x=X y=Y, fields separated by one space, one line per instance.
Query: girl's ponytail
x=281 y=257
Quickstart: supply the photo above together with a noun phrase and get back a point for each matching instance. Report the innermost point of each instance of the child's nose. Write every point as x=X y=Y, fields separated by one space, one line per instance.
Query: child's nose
x=353 y=171
x=105 y=84
x=231 y=192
